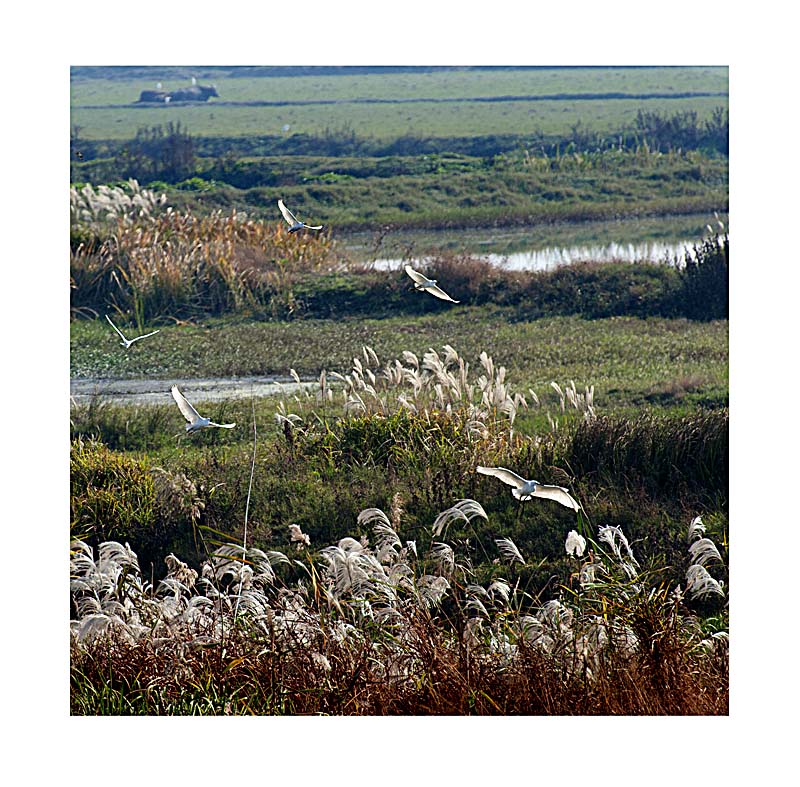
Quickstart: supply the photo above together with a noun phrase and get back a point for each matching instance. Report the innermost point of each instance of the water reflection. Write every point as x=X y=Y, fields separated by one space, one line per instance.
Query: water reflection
x=554 y=256
x=651 y=239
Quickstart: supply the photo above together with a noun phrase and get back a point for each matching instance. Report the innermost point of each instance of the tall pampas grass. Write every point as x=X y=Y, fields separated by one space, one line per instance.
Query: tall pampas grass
x=375 y=629
x=485 y=403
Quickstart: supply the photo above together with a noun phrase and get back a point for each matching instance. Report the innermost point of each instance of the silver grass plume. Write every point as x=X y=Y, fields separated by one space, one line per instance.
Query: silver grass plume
x=560 y=393
x=370 y=356
x=508 y=550
x=474 y=594
x=464 y=510
x=411 y=358
x=396 y=510
x=432 y=589
x=615 y=538
x=387 y=542
x=557 y=616
x=499 y=589
x=296 y=535
x=700 y=584
x=696 y=529
x=180 y=572
x=704 y=550
x=444 y=556
x=127 y=203
x=575 y=544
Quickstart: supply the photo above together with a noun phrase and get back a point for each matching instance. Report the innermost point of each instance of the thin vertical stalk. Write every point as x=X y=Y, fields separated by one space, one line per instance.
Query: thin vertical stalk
x=247 y=506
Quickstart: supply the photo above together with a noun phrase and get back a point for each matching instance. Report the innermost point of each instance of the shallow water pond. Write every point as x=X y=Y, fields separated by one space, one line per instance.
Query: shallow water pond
x=652 y=239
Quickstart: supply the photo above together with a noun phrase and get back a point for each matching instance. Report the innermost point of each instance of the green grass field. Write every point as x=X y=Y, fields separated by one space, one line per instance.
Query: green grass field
x=626 y=359
x=399 y=85
x=101 y=106
x=384 y=121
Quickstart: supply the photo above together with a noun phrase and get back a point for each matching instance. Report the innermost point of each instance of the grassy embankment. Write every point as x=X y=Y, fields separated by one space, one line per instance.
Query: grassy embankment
x=250 y=106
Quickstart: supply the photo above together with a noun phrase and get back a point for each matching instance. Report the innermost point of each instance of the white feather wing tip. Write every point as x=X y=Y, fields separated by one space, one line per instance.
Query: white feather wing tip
x=189 y=413
x=559 y=494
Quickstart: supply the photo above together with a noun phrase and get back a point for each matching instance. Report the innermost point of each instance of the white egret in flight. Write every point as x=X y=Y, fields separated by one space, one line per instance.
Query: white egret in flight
x=525 y=490
x=294 y=223
x=196 y=421
x=429 y=285
x=126 y=343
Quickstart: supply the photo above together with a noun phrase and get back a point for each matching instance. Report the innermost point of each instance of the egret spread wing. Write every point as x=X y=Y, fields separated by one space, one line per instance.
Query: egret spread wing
x=309 y=227
x=122 y=335
x=557 y=493
x=512 y=479
x=287 y=214
x=415 y=275
x=222 y=426
x=189 y=413
x=144 y=336
x=440 y=293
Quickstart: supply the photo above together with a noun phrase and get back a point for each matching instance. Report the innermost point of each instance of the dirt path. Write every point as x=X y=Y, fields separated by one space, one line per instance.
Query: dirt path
x=196 y=390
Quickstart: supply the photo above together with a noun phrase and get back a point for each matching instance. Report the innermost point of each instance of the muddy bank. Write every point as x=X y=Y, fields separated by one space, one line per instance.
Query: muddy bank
x=210 y=389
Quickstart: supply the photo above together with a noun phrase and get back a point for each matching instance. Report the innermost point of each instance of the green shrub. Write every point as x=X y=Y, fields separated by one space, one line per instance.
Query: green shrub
x=195 y=184
x=112 y=496
x=704 y=279
x=596 y=290
x=592 y=290
x=117 y=497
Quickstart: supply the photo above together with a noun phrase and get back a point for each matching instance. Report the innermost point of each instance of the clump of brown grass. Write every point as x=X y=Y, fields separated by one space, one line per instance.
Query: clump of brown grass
x=170 y=264
x=389 y=628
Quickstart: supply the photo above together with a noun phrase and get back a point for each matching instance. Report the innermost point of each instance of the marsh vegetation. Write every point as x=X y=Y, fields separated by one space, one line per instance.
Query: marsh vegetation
x=403 y=436
x=336 y=552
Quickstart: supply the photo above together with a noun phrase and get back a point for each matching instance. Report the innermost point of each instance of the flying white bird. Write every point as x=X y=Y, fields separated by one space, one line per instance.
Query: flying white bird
x=525 y=490
x=429 y=285
x=126 y=343
x=294 y=223
x=196 y=421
